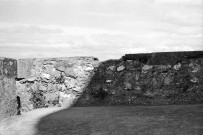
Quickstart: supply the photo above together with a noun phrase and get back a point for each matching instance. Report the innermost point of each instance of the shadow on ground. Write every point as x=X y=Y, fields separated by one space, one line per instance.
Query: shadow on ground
x=124 y=120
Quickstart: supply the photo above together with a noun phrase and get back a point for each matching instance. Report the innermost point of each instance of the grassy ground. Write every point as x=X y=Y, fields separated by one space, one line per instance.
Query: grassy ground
x=117 y=120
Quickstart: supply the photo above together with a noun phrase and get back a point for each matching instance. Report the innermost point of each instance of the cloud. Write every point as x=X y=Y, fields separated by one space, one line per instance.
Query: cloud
x=39 y=41
x=105 y=29
x=29 y=30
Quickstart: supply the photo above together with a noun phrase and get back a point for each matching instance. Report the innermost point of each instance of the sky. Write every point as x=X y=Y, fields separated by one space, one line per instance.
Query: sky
x=106 y=29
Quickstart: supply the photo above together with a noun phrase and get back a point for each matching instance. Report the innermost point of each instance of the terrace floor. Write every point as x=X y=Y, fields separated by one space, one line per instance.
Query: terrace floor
x=116 y=120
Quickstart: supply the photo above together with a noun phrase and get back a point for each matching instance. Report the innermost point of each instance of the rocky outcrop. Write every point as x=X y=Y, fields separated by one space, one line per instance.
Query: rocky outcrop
x=53 y=82
x=8 y=98
x=147 y=79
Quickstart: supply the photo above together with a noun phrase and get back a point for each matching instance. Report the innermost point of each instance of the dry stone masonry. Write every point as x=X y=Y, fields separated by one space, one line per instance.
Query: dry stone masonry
x=135 y=79
x=147 y=79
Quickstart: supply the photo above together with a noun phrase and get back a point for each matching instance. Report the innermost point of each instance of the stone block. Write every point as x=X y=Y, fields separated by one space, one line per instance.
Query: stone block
x=24 y=68
x=120 y=68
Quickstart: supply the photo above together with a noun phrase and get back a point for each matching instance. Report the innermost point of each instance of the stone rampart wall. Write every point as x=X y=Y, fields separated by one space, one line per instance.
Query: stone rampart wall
x=135 y=79
x=147 y=79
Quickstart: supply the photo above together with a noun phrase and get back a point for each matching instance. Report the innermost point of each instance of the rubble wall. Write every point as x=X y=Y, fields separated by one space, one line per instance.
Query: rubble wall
x=147 y=79
x=135 y=79
x=53 y=81
x=8 y=73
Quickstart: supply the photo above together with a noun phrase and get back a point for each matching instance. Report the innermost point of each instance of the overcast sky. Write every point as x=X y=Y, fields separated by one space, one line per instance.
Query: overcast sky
x=106 y=29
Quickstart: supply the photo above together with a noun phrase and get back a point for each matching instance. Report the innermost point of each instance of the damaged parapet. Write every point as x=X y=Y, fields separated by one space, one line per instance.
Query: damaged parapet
x=8 y=73
x=54 y=81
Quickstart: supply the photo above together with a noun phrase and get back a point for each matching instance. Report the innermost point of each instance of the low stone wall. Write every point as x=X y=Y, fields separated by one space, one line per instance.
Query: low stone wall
x=8 y=100
x=147 y=79
x=135 y=79
x=54 y=81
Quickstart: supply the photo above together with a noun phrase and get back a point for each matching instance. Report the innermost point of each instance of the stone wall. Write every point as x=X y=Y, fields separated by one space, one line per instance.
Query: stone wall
x=135 y=79
x=147 y=79
x=53 y=82
x=8 y=73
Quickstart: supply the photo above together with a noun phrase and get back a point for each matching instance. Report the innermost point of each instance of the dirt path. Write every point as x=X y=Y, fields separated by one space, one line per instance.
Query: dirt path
x=119 y=120
x=24 y=124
